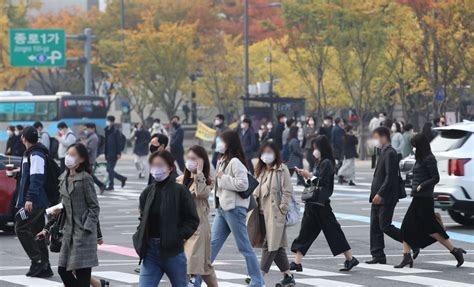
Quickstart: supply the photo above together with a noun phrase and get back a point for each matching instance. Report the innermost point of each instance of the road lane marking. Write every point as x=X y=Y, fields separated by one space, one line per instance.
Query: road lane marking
x=313 y=272
x=426 y=281
x=30 y=281
x=229 y=275
x=325 y=283
x=118 y=276
x=453 y=235
x=453 y=263
x=390 y=268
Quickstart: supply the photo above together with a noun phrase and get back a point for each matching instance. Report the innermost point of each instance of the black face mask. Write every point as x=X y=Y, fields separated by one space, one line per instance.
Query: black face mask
x=175 y=124
x=153 y=148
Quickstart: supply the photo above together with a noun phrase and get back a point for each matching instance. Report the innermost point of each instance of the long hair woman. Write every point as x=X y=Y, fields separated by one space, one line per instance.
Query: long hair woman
x=275 y=187
x=168 y=218
x=79 y=245
x=318 y=215
x=420 y=227
x=198 y=247
x=231 y=208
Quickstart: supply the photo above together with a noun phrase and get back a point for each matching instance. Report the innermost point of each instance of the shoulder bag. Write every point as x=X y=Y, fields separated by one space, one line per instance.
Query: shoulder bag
x=310 y=193
x=293 y=214
x=56 y=233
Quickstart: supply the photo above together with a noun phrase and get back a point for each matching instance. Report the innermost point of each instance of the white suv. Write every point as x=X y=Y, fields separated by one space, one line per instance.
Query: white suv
x=454 y=150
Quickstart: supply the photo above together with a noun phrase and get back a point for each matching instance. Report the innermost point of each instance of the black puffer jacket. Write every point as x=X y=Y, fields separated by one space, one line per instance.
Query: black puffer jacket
x=425 y=173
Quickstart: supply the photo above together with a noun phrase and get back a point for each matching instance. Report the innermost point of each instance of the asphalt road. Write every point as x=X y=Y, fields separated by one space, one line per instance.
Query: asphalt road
x=434 y=267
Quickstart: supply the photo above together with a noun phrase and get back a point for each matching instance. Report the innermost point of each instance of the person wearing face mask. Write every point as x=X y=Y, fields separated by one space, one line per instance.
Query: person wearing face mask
x=269 y=135
x=398 y=142
x=198 y=247
x=231 y=208
x=44 y=137
x=220 y=127
x=310 y=134
x=384 y=195
x=176 y=142
x=275 y=187
x=326 y=128
x=91 y=142
x=79 y=245
x=65 y=138
x=11 y=140
x=142 y=137
x=318 y=215
x=158 y=128
x=18 y=148
x=249 y=141
x=168 y=218
x=159 y=142
x=278 y=133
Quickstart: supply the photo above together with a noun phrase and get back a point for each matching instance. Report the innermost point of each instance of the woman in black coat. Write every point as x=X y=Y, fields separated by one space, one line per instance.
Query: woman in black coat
x=420 y=228
x=318 y=215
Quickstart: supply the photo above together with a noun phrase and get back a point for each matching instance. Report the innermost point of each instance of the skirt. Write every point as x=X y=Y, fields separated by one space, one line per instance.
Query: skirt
x=347 y=169
x=419 y=222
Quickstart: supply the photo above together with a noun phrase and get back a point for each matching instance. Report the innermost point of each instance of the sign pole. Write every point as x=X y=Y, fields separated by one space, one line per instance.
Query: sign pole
x=88 y=59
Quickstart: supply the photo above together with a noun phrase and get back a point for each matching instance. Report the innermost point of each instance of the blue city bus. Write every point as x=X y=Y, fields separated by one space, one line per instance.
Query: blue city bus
x=23 y=108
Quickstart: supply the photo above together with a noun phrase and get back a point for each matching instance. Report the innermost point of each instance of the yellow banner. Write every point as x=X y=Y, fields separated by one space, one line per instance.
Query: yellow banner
x=204 y=132
x=234 y=125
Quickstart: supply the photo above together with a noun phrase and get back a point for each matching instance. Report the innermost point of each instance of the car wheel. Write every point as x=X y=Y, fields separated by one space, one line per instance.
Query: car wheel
x=462 y=218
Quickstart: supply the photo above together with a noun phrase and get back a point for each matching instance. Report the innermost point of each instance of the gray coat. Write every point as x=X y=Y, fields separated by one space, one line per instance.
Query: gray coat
x=92 y=144
x=79 y=245
x=296 y=154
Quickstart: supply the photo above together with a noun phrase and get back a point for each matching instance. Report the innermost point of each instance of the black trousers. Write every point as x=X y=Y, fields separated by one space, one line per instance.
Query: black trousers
x=179 y=157
x=112 y=173
x=315 y=219
x=250 y=165
x=80 y=277
x=26 y=231
x=380 y=223
x=96 y=180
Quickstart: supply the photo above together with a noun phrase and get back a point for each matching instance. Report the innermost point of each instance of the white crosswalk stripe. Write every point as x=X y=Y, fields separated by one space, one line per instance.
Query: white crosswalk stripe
x=117 y=276
x=29 y=281
x=453 y=263
x=325 y=283
x=426 y=281
x=389 y=268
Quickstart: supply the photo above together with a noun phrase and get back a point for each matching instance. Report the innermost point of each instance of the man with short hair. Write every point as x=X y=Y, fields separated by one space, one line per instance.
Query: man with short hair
x=32 y=201
x=65 y=138
x=176 y=142
x=219 y=126
x=43 y=135
x=326 y=128
x=384 y=195
x=113 y=152
x=91 y=142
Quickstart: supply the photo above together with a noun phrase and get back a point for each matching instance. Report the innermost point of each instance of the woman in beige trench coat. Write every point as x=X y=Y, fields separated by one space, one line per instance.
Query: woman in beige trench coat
x=273 y=196
x=198 y=247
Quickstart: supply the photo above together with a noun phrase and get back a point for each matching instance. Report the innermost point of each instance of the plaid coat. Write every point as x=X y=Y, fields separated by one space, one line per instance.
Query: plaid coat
x=79 y=245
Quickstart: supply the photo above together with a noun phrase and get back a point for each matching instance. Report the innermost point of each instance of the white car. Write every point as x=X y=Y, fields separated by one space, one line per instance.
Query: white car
x=454 y=150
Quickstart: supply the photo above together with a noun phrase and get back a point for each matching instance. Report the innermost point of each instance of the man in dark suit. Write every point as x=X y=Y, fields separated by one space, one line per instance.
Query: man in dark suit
x=176 y=142
x=278 y=134
x=384 y=194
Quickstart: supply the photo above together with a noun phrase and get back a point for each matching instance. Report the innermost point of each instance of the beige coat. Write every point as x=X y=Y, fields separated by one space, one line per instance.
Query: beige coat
x=274 y=195
x=198 y=247
x=234 y=180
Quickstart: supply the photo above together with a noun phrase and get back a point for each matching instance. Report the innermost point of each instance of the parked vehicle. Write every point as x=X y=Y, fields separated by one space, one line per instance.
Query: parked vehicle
x=7 y=192
x=406 y=169
x=454 y=150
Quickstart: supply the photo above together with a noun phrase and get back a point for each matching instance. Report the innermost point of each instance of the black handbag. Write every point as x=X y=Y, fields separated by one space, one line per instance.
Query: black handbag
x=401 y=184
x=310 y=192
x=253 y=183
x=56 y=233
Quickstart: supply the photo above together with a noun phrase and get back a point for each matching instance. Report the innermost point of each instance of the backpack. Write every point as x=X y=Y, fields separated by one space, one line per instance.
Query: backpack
x=101 y=145
x=53 y=147
x=122 y=141
x=51 y=186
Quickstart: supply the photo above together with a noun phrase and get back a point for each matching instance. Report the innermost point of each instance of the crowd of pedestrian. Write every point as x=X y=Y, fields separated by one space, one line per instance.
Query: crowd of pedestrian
x=252 y=188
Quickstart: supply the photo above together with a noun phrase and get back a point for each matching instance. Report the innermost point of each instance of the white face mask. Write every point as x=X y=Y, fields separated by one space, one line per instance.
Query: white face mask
x=217 y=122
x=70 y=161
x=243 y=126
x=413 y=150
x=17 y=133
x=191 y=165
x=159 y=173
x=327 y=122
x=311 y=122
x=221 y=147
x=317 y=154
x=394 y=129
x=9 y=133
x=269 y=126
x=268 y=157
x=378 y=144
x=109 y=124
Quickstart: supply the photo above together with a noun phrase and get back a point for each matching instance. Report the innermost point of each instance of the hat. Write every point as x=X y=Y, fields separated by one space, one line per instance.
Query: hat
x=30 y=134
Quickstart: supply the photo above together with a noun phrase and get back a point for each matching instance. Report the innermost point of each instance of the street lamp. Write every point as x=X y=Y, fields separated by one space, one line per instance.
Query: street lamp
x=246 y=42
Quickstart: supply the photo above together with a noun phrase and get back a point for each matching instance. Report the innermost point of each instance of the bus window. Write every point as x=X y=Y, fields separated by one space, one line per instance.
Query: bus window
x=46 y=111
x=6 y=112
x=25 y=111
x=82 y=107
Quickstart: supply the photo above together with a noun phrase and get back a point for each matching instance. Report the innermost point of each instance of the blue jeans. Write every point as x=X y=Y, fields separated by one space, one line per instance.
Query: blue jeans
x=154 y=266
x=234 y=220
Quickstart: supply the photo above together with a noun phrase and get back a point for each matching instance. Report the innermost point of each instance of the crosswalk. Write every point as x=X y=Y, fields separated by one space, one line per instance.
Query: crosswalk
x=386 y=275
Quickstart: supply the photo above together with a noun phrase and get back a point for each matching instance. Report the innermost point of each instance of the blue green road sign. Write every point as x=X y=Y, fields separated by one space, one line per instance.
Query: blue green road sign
x=37 y=47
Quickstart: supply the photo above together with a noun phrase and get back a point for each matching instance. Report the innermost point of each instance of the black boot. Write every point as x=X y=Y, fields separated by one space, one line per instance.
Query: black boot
x=288 y=281
x=416 y=252
x=296 y=267
x=349 y=264
x=407 y=260
x=458 y=254
x=351 y=183
x=375 y=260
